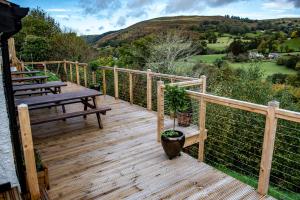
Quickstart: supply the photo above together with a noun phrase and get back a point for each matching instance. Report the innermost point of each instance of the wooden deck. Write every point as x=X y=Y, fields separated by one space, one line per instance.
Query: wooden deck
x=123 y=160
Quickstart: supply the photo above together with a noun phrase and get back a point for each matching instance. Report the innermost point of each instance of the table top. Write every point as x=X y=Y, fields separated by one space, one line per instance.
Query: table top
x=39 y=86
x=29 y=78
x=24 y=72
x=56 y=98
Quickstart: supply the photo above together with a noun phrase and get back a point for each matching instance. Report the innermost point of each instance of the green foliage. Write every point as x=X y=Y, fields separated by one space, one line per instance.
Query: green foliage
x=35 y=48
x=42 y=37
x=93 y=65
x=176 y=99
x=170 y=133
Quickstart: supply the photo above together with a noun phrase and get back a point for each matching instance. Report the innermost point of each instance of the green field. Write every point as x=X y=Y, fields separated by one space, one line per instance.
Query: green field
x=221 y=45
x=293 y=44
x=268 y=67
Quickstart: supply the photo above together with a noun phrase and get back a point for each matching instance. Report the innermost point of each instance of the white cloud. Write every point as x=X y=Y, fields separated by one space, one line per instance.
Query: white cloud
x=58 y=10
x=278 y=5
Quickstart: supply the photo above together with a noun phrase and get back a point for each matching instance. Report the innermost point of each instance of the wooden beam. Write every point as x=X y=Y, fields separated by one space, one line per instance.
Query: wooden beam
x=28 y=151
x=187 y=83
x=77 y=73
x=201 y=118
x=149 y=90
x=71 y=73
x=288 y=115
x=160 y=109
x=104 y=81
x=116 y=83
x=130 y=88
x=268 y=148
x=94 y=77
x=65 y=69
x=45 y=69
x=85 y=75
x=242 y=105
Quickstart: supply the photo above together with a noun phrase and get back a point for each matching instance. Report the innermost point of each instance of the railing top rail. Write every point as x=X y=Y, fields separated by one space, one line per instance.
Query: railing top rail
x=54 y=62
x=151 y=73
x=247 y=106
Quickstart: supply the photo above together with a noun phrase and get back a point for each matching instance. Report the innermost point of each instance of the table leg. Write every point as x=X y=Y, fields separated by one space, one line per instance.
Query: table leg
x=94 y=101
x=86 y=100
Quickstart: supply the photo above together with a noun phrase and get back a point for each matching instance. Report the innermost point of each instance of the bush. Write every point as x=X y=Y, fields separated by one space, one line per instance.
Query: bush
x=277 y=78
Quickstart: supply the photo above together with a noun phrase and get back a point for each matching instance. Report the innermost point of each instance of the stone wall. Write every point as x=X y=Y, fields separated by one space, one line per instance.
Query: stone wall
x=7 y=165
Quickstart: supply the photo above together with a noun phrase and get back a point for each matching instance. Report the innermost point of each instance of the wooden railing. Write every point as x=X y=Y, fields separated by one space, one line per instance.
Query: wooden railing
x=67 y=70
x=272 y=112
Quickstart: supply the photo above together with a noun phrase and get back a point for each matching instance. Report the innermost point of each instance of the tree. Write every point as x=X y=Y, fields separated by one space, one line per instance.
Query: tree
x=166 y=49
x=35 y=48
x=236 y=47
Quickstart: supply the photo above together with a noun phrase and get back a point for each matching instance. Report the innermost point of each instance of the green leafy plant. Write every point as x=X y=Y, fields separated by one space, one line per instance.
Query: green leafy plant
x=177 y=101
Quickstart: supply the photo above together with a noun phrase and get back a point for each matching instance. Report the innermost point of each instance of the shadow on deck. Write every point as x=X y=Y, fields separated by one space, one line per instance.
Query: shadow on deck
x=123 y=160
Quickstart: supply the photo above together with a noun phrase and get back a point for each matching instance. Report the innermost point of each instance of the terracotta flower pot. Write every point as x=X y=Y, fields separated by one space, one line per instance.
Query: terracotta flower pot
x=173 y=145
x=184 y=118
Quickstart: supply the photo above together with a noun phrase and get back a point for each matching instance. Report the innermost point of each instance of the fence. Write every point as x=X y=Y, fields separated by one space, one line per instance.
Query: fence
x=261 y=142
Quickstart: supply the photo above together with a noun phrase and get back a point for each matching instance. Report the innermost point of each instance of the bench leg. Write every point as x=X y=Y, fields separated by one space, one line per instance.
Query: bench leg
x=85 y=106
x=99 y=121
x=64 y=110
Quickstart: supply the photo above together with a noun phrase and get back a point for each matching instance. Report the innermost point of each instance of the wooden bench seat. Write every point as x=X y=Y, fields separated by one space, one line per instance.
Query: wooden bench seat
x=49 y=105
x=32 y=93
x=97 y=111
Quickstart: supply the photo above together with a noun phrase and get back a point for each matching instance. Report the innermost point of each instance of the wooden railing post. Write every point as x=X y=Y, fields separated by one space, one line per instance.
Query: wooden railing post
x=85 y=75
x=104 y=81
x=77 y=73
x=149 y=90
x=116 y=83
x=71 y=72
x=160 y=109
x=130 y=88
x=45 y=69
x=28 y=151
x=202 y=115
x=65 y=69
x=94 y=77
x=268 y=148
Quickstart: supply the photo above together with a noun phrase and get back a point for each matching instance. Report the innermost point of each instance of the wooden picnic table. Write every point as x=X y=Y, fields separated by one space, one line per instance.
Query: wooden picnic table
x=24 y=72
x=38 y=79
x=54 y=87
x=83 y=96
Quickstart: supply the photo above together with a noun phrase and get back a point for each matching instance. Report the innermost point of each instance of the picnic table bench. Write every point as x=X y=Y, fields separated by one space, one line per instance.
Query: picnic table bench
x=38 y=79
x=44 y=88
x=82 y=96
x=24 y=72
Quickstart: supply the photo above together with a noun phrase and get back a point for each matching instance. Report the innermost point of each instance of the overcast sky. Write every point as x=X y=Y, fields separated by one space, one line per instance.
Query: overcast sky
x=99 y=16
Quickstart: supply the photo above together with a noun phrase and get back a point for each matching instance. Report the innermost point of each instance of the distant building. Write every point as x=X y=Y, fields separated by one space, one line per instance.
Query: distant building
x=255 y=55
x=273 y=55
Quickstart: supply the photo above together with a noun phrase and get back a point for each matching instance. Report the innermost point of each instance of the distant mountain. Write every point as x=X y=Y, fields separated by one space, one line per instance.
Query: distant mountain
x=92 y=39
x=192 y=26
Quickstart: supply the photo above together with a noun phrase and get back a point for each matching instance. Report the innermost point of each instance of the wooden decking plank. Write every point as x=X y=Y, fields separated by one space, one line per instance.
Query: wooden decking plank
x=123 y=160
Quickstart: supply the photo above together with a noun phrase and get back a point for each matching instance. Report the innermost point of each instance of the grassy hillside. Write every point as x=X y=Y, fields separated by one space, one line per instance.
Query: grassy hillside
x=183 y=23
x=188 y=25
x=293 y=44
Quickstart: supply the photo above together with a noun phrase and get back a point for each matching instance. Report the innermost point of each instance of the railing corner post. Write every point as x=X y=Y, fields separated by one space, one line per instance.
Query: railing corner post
x=28 y=150
x=116 y=82
x=202 y=120
x=160 y=109
x=77 y=73
x=149 y=90
x=65 y=69
x=104 y=81
x=268 y=148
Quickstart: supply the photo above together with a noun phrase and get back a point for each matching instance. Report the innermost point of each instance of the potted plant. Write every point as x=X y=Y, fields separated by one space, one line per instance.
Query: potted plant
x=185 y=114
x=173 y=140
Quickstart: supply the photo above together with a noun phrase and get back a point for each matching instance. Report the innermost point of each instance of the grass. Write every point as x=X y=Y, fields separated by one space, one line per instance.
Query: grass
x=268 y=67
x=273 y=190
x=206 y=58
x=221 y=45
x=293 y=44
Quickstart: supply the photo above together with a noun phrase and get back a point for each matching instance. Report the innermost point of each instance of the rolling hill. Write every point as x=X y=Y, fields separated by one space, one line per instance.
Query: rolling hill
x=189 y=25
